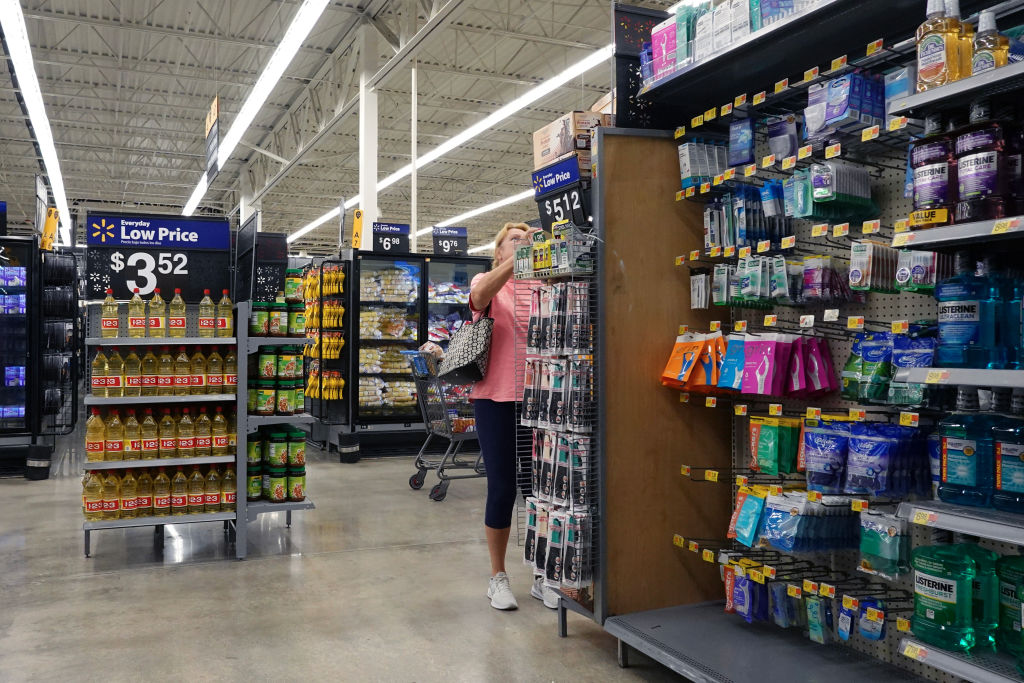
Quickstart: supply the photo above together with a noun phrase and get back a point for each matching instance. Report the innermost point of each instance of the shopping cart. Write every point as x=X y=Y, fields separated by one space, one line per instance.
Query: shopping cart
x=448 y=414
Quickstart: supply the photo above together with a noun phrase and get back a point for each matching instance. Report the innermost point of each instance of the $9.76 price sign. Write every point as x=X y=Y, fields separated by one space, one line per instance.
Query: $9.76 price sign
x=450 y=241
x=126 y=252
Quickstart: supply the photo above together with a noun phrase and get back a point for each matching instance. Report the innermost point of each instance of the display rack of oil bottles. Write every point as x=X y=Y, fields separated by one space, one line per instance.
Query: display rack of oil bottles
x=326 y=306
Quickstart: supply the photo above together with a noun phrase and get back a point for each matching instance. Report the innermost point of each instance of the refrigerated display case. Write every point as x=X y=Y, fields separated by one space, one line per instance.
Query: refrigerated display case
x=19 y=305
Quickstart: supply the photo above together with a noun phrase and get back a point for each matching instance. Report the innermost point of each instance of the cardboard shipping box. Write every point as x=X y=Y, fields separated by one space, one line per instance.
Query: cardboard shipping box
x=568 y=133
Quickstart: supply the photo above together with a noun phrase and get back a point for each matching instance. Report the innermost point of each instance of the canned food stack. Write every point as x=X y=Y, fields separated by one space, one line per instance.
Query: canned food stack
x=278 y=387
x=276 y=465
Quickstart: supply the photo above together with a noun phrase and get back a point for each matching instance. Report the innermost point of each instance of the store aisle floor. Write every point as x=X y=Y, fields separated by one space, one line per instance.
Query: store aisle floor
x=377 y=584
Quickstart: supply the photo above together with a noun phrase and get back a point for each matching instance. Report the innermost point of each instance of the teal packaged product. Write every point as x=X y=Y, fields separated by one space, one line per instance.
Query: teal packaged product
x=1008 y=437
x=988 y=353
x=749 y=519
x=967 y=453
x=884 y=543
x=876 y=367
x=1010 y=571
x=943 y=601
x=755 y=16
x=852 y=369
x=959 y=300
x=985 y=595
x=819 y=620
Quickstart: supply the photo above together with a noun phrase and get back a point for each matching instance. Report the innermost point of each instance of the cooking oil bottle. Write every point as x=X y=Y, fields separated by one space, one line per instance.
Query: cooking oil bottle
x=136 y=315
x=93 y=494
x=204 y=436
x=219 y=430
x=232 y=435
x=197 y=372
x=225 y=317
x=149 y=373
x=196 y=491
x=165 y=373
x=111 y=496
x=176 y=321
x=214 y=372
x=113 y=437
x=179 y=493
x=144 y=495
x=157 y=315
x=129 y=492
x=115 y=375
x=230 y=371
x=212 y=491
x=98 y=378
x=938 y=54
x=150 y=434
x=161 y=494
x=186 y=435
x=207 y=316
x=182 y=372
x=991 y=50
x=110 y=316
x=132 y=436
x=132 y=373
x=228 y=489
x=95 y=431
x=168 y=431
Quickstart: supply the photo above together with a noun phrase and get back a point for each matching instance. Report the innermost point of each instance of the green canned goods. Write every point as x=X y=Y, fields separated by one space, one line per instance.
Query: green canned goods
x=300 y=397
x=296 y=320
x=296 y=448
x=275 y=453
x=259 y=320
x=278 y=325
x=293 y=285
x=275 y=484
x=266 y=363
x=296 y=483
x=286 y=362
x=251 y=398
x=254 y=449
x=254 y=483
x=286 y=398
x=266 y=396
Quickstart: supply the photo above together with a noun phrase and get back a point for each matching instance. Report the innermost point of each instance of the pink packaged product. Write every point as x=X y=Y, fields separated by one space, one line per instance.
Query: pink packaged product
x=796 y=380
x=759 y=364
x=663 y=47
x=783 y=351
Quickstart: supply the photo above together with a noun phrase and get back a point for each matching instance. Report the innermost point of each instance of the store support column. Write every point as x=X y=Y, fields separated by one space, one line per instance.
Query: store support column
x=369 y=61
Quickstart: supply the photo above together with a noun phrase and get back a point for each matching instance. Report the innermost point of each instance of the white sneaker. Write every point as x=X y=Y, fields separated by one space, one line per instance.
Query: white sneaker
x=543 y=593
x=500 y=592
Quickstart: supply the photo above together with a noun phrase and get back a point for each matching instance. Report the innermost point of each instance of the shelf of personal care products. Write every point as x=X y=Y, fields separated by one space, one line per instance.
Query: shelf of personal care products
x=262 y=507
x=979 y=667
x=158 y=521
x=263 y=420
x=159 y=341
x=1009 y=379
x=254 y=343
x=123 y=400
x=1002 y=81
x=158 y=462
x=975 y=521
x=963 y=234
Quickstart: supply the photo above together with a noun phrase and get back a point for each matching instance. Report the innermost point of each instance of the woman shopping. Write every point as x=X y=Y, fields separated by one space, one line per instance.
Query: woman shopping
x=494 y=401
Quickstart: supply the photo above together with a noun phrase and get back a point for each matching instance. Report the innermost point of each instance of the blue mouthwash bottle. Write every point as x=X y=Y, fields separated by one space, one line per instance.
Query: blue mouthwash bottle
x=1010 y=570
x=985 y=606
x=1010 y=330
x=1008 y=451
x=943 y=597
x=959 y=300
x=988 y=353
x=967 y=460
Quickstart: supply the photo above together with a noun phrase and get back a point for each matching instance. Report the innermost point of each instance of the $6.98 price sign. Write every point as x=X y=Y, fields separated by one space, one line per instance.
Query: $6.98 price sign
x=141 y=268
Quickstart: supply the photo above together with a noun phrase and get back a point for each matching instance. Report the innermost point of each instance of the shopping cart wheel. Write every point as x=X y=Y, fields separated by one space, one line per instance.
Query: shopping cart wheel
x=439 y=491
x=416 y=480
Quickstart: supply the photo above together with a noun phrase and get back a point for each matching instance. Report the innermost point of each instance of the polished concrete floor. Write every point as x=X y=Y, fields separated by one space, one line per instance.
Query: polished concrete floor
x=379 y=583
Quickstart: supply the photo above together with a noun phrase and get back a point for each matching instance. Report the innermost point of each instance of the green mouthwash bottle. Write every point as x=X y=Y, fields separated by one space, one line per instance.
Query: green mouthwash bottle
x=943 y=597
x=967 y=459
x=1008 y=437
x=1010 y=570
x=985 y=595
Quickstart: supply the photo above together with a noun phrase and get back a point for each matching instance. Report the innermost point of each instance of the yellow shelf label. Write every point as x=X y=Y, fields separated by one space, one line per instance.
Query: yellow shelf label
x=763 y=246
x=696 y=122
x=788 y=163
x=710 y=114
x=775 y=409
x=831 y=315
x=711 y=475
x=900 y=326
x=789 y=242
x=871 y=227
x=716 y=252
x=768 y=161
x=874 y=46
x=690 y=191
x=1005 y=225
x=936 y=376
x=807 y=321
x=708 y=555
x=730 y=173
x=768 y=571
x=811 y=74
x=680 y=132
x=740 y=100
x=749 y=170
x=740 y=409
x=710 y=402
x=902 y=225
x=915 y=652
x=814 y=496
x=680 y=260
x=832 y=151
x=819 y=230
x=827 y=591
x=716 y=325
x=793 y=591
x=850 y=602
x=726 y=109
x=810 y=586
x=756 y=576
x=775 y=490
x=859 y=505
x=684 y=397
x=705 y=188
x=718 y=179
x=841 y=230
x=855 y=322
x=903 y=239
x=813 y=413
x=679 y=196
x=869 y=133
x=739 y=570
x=760 y=97
x=740 y=326
x=923 y=517
x=902 y=625
x=678 y=541
x=684 y=470
x=838 y=63
x=695 y=255
x=804 y=152
x=897 y=123
x=876 y=615
x=729 y=251
x=744 y=252
x=909 y=419
x=858 y=414
x=692 y=546
x=771 y=320
x=742 y=481
x=781 y=85
x=928 y=216
x=683 y=329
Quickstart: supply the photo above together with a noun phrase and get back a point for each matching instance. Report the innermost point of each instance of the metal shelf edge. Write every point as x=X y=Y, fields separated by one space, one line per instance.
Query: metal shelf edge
x=957 y=665
x=959 y=89
x=964 y=233
x=983 y=522
x=963 y=376
x=158 y=462
x=198 y=398
x=158 y=521
x=157 y=341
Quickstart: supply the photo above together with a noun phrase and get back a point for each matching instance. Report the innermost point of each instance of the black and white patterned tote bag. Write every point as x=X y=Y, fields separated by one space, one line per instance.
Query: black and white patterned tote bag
x=468 y=351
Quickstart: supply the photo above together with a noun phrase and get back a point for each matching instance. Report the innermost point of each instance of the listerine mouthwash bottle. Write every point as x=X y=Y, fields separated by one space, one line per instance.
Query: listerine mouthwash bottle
x=934 y=171
x=1010 y=570
x=967 y=460
x=938 y=53
x=959 y=313
x=943 y=597
x=981 y=167
x=1008 y=450
x=988 y=352
x=985 y=595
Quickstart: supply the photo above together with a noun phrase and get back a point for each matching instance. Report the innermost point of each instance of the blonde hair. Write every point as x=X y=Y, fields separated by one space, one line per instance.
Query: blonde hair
x=503 y=234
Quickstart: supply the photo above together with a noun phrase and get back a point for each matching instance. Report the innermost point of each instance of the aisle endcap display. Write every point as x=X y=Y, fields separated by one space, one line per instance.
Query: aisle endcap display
x=159 y=521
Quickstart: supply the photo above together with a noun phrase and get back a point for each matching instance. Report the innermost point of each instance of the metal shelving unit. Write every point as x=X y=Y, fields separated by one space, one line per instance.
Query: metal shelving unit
x=254 y=343
x=980 y=667
x=158 y=462
x=159 y=341
x=999 y=81
x=962 y=235
x=157 y=521
x=981 y=522
x=1009 y=379
x=122 y=400
x=254 y=421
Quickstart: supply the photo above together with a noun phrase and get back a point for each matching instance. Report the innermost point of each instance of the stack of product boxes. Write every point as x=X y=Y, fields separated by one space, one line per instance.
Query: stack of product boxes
x=569 y=135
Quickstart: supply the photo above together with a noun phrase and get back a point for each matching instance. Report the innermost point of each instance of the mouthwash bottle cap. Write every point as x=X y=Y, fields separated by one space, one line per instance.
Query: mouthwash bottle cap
x=936 y=8
x=952 y=8
x=933 y=124
x=967 y=398
x=963 y=262
x=981 y=110
x=986 y=21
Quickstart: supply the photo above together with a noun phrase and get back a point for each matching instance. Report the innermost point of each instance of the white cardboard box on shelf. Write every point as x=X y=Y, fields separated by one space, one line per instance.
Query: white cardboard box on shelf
x=567 y=134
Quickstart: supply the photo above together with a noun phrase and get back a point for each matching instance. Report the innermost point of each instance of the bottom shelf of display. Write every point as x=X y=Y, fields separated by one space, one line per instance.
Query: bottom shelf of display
x=157 y=521
x=706 y=645
x=981 y=667
x=573 y=605
x=260 y=507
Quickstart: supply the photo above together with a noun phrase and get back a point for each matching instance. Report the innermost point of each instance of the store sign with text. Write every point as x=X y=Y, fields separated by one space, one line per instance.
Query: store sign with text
x=391 y=238
x=450 y=241
x=556 y=176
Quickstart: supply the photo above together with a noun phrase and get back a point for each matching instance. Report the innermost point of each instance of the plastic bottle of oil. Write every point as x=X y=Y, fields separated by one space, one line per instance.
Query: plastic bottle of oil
x=168 y=435
x=136 y=315
x=228 y=489
x=93 y=495
x=207 y=316
x=186 y=435
x=182 y=372
x=111 y=496
x=204 y=436
x=150 y=434
x=225 y=316
x=157 y=315
x=132 y=436
x=214 y=372
x=197 y=372
x=113 y=437
x=938 y=54
x=149 y=373
x=110 y=316
x=220 y=433
x=132 y=373
x=161 y=494
x=95 y=431
x=129 y=492
x=212 y=491
x=179 y=493
x=230 y=372
x=176 y=322
x=98 y=378
x=144 y=495
x=115 y=375
x=165 y=373
x=196 y=491
x=232 y=434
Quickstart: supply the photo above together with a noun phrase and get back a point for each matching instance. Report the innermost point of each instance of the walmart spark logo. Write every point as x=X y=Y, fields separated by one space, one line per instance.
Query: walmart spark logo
x=103 y=230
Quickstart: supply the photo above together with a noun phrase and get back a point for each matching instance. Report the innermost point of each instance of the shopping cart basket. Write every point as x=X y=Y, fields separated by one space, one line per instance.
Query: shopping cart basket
x=448 y=414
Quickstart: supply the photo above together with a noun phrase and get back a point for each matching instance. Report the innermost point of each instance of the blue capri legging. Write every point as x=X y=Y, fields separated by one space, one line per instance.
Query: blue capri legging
x=497 y=430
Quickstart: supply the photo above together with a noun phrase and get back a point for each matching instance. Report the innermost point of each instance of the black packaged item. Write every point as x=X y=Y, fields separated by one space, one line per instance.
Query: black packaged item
x=558 y=395
x=547 y=468
x=578 y=338
x=533 y=328
x=545 y=319
x=581 y=374
x=543 y=393
x=576 y=551
x=560 y=493
x=531 y=387
x=530 y=546
x=536 y=459
x=556 y=539
x=580 y=459
x=556 y=330
x=542 y=537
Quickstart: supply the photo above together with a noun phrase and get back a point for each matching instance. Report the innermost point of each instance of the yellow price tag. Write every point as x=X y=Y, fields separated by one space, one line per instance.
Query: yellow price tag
x=923 y=517
x=870 y=227
x=902 y=225
x=684 y=397
x=711 y=475
x=771 y=320
x=900 y=326
x=719 y=179
x=819 y=230
x=684 y=470
x=789 y=242
x=1005 y=225
x=710 y=114
x=775 y=409
x=740 y=409
x=838 y=63
x=781 y=85
x=679 y=196
x=744 y=252
x=859 y=505
x=726 y=109
x=756 y=576
x=768 y=571
x=716 y=252
x=914 y=652
x=680 y=260
x=730 y=173
x=936 y=376
x=811 y=74
x=740 y=326
x=875 y=615
x=775 y=490
x=813 y=413
x=814 y=496
x=874 y=46
x=729 y=251
x=680 y=132
x=716 y=325
x=696 y=122
x=929 y=216
x=793 y=591
x=749 y=170
x=708 y=555
x=788 y=163
x=897 y=123
x=695 y=255
x=739 y=570
x=806 y=321
x=692 y=546
x=855 y=322
x=810 y=586
x=678 y=541
x=850 y=602
x=690 y=191
x=760 y=97
x=858 y=414
x=869 y=133
x=705 y=188
x=740 y=100
x=827 y=591
x=763 y=246
x=742 y=481
x=909 y=419
x=903 y=239
x=768 y=161
x=683 y=329
x=841 y=230
x=804 y=152
x=710 y=402
x=902 y=625
x=832 y=151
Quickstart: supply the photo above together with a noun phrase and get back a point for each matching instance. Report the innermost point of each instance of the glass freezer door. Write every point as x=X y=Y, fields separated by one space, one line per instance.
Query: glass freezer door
x=448 y=297
x=14 y=334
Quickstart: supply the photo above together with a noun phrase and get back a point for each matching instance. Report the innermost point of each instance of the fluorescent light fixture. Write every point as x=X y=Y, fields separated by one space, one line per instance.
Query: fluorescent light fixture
x=526 y=194
x=302 y=23
x=333 y=213
x=486 y=247
x=16 y=33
